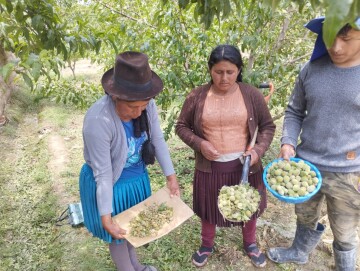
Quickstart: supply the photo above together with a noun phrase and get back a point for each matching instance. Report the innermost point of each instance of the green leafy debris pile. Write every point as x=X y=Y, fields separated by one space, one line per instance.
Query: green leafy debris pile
x=149 y=221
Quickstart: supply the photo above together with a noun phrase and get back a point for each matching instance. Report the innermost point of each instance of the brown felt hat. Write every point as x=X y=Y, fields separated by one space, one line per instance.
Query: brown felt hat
x=131 y=79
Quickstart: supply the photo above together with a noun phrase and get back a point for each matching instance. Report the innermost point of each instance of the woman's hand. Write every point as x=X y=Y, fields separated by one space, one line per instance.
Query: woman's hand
x=112 y=228
x=173 y=185
x=287 y=151
x=209 y=151
x=254 y=156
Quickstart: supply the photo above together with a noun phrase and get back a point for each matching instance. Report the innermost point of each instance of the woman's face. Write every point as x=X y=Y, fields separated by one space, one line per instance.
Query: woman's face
x=224 y=74
x=129 y=110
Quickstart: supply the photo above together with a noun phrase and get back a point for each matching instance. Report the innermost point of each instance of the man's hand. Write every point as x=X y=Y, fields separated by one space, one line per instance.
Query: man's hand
x=209 y=151
x=287 y=151
x=112 y=228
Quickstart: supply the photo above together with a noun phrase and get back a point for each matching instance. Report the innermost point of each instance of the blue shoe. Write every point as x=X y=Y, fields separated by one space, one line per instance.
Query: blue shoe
x=200 y=257
x=257 y=257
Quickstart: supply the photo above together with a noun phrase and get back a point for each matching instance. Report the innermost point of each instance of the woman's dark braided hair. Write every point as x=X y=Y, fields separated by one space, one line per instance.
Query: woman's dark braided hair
x=141 y=125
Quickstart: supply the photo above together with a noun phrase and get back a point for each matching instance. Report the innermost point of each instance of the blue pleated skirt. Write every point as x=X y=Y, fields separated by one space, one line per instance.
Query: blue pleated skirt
x=126 y=193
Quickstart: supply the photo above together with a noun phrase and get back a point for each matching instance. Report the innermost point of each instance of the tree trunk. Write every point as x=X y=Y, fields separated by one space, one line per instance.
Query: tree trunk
x=6 y=87
x=282 y=34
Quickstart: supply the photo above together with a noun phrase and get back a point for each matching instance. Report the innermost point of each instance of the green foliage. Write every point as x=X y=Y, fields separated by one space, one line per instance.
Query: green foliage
x=273 y=42
x=41 y=38
x=178 y=39
x=6 y=70
x=67 y=91
x=338 y=12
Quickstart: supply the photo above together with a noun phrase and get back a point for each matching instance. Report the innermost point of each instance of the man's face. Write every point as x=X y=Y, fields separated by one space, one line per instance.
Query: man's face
x=345 y=52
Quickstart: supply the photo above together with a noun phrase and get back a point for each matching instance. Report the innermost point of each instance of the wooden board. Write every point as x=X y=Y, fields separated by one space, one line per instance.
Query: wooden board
x=182 y=212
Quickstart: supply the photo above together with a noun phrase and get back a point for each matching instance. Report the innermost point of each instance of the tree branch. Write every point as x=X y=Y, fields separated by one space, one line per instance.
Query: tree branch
x=126 y=16
x=279 y=116
x=297 y=59
x=6 y=88
x=282 y=34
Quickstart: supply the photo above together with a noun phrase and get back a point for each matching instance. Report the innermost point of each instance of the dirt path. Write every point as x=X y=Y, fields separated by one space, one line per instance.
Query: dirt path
x=58 y=161
x=30 y=201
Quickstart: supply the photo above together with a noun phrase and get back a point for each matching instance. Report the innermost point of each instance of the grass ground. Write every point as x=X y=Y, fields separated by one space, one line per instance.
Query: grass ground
x=41 y=155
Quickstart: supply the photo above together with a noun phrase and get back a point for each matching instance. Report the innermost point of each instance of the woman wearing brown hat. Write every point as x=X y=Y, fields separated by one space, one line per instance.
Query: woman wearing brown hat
x=121 y=136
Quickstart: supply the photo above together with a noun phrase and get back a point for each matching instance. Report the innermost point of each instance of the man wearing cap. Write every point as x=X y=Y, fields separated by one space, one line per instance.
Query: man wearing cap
x=121 y=135
x=324 y=110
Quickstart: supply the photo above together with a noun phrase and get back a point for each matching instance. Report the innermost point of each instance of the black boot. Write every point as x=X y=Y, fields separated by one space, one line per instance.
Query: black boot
x=345 y=260
x=305 y=241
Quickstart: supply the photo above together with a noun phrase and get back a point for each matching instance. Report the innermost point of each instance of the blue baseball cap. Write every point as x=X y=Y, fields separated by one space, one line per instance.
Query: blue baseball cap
x=315 y=25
